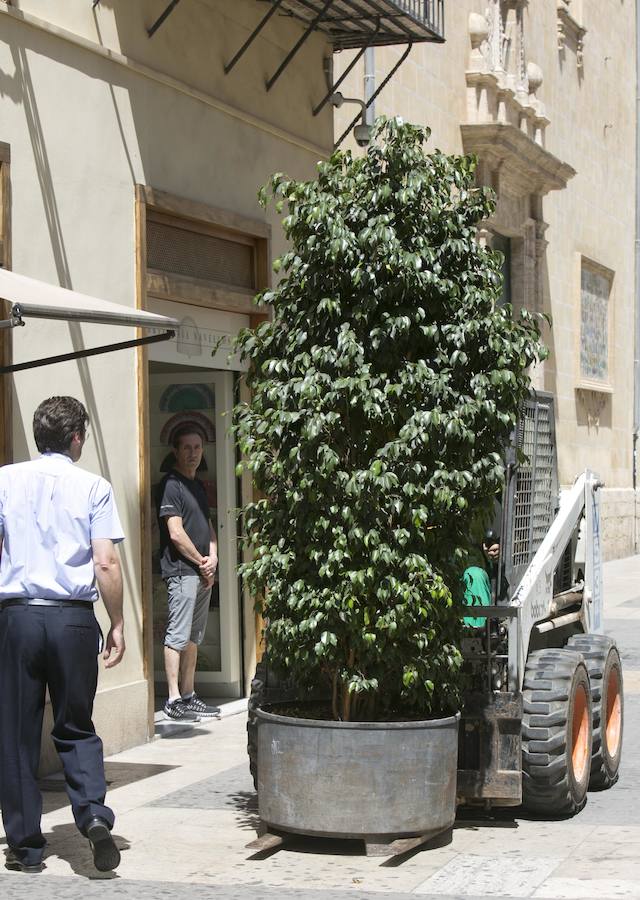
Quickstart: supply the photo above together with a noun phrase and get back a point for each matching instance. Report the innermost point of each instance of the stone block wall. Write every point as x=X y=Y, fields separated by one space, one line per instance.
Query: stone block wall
x=540 y=93
x=619 y=511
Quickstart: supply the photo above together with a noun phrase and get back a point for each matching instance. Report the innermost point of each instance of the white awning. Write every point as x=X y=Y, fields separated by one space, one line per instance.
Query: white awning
x=32 y=298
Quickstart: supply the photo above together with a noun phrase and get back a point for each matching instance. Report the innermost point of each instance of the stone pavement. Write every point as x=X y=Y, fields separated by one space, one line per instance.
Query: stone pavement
x=186 y=809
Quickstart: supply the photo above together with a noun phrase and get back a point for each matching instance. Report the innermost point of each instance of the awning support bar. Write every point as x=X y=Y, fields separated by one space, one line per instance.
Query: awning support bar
x=158 y=22
x=371 y=99
x=13 y=322
x=83 y=354
x=353 y=63
x=254 y=34
x=301 y=40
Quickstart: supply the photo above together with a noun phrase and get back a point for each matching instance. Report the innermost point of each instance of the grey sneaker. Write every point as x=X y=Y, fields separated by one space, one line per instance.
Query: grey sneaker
x=180 y=712
x=195 y=705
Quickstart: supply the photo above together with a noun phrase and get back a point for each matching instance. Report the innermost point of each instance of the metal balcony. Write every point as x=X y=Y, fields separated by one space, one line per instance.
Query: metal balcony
x=348 y=25
x=351 y=24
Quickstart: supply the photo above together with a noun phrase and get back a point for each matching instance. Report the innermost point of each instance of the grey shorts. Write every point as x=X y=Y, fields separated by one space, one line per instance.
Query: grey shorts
x=188 y=601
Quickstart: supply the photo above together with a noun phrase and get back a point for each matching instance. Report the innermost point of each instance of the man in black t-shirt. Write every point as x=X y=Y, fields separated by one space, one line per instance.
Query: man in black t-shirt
x=188 y=561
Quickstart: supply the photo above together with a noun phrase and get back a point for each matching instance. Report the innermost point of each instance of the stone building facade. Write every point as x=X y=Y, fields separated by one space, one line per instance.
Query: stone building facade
x=134 y=137
x=543 y=94
x=131 y=156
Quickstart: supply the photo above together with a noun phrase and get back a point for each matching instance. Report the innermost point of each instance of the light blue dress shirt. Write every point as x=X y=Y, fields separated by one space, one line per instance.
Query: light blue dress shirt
x=50 y=511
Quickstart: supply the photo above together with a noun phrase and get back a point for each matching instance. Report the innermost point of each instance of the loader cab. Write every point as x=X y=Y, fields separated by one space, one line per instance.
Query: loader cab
x=531 y=494
x=542 y=722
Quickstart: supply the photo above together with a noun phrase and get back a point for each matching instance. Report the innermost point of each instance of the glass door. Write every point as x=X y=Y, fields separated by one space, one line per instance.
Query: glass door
x=204 y=398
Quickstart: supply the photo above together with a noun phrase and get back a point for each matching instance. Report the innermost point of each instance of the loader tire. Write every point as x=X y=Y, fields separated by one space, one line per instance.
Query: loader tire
x=605 y=673
x=556 y=732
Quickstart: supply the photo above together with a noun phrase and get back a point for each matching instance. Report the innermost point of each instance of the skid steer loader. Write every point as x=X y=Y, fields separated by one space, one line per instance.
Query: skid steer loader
x=543 y=722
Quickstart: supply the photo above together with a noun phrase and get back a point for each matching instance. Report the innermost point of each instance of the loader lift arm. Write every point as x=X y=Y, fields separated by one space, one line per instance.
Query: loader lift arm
x=577 y=521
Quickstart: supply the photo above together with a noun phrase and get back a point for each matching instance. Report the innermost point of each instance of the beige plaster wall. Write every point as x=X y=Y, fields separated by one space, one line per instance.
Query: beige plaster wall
x=619 y=518
x=592 y=128
x=83 y=130
x=194 y=44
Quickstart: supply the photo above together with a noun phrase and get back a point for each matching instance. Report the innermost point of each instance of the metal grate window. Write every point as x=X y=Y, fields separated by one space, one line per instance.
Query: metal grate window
x=196 y=254
x=535 y=491
x=3 y=215
x=543 y=495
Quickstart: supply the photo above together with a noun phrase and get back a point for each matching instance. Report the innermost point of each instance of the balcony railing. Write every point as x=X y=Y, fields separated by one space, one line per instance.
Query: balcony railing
x=348 y=24
x=353 y=24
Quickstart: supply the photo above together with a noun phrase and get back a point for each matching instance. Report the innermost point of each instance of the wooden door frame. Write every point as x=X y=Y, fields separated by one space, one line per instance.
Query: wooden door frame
x=6 y=381
x=149 y=198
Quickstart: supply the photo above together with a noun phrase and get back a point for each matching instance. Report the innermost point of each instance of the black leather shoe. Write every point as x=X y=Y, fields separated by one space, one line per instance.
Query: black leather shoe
x=106 y=855
x=13 y=864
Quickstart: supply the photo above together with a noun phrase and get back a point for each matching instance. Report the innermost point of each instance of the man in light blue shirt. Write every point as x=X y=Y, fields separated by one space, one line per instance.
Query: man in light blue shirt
x=58 y=527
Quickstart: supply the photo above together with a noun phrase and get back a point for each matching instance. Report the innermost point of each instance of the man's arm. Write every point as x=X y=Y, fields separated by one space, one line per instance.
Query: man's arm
x=109 y=578
x=181 y=540
x=210 y=562
x=213 y=547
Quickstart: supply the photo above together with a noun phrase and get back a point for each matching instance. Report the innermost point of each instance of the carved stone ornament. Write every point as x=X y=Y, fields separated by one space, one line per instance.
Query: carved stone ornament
x=570 y=32
x=524 y=166
x=506 y=120
x=593 y=402
x=505 y=129
x=501 y=83
x=534 y=77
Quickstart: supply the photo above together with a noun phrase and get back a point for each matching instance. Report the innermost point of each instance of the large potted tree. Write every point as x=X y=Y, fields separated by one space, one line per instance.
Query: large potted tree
x=382 y=392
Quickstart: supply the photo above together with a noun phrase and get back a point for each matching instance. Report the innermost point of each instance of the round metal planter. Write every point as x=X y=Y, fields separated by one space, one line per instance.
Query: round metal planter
x=357 y=779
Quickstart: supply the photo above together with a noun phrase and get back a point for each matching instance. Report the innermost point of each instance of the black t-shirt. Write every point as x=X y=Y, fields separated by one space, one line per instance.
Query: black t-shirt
x=184 y=497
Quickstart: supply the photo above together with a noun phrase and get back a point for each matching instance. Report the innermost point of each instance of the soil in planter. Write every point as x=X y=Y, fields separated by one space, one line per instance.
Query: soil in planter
x=321 y=711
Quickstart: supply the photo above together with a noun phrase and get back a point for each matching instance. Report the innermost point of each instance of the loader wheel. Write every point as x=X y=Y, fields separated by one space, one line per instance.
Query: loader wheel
x=556 y=732
x=605 y=673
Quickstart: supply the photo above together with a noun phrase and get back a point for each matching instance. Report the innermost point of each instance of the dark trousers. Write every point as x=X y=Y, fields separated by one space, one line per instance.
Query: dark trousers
x=54 y=647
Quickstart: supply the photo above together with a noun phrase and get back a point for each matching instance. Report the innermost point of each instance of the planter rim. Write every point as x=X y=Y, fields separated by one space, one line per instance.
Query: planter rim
x=363 y=726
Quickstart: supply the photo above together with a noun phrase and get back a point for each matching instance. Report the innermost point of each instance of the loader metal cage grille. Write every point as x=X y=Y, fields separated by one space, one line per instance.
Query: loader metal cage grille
x=534 y=489
x=523 y=505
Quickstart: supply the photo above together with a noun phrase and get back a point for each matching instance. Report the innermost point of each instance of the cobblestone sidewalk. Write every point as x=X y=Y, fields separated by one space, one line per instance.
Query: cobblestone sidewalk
x=186 y=809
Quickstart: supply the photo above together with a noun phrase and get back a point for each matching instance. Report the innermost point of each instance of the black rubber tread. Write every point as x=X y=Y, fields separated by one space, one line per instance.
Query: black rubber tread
x=549 y=786
x=600 y=652
x=106 y=856
x=544 y=720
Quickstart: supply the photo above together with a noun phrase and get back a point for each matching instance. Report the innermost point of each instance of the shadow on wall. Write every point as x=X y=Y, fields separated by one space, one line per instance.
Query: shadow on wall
x=550 y=366
x=20 y=87
x=19 y=435
x=23 y=93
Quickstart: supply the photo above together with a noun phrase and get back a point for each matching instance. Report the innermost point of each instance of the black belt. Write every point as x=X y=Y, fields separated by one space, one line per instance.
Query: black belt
x=39 y=601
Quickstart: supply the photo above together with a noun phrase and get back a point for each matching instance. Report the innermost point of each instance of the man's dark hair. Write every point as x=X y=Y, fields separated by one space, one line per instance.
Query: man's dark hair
x=183 y=430
x=56 y=421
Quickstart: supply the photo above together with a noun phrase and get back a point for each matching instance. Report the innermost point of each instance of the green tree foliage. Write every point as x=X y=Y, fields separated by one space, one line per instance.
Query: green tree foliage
x=382 y=393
